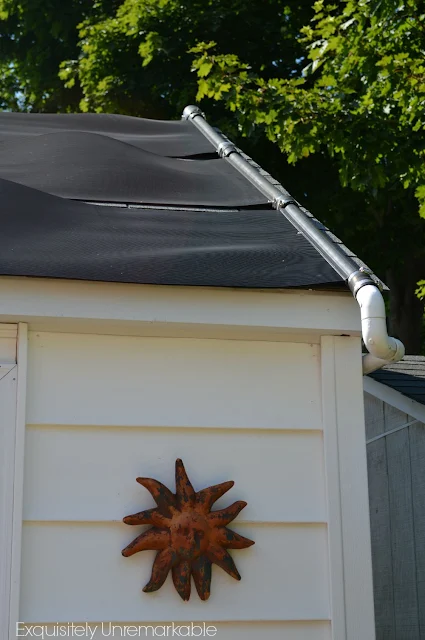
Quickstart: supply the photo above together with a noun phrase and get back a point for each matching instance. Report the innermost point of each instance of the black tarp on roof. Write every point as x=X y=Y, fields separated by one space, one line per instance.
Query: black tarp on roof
x=51 y=165
x=47 y=236
x=93 y=166
x=172 y=138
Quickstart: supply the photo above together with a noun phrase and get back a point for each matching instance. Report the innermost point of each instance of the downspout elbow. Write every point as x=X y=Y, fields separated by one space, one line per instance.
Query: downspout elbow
x=381 y=347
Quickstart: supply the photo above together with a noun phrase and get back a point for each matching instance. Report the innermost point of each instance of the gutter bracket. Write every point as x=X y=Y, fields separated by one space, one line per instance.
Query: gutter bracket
x=280 y=202
x=225 y=148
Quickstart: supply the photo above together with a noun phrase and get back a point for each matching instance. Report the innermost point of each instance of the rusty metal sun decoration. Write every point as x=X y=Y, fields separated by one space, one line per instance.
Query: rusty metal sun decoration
x=187 y=535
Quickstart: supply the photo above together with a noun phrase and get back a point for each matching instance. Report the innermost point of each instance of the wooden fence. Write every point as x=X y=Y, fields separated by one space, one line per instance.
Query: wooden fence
x=396 y=469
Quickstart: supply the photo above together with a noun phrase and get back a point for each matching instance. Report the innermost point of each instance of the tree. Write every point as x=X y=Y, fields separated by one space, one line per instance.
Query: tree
x=36 y=36
x=138 y=61
x=360 y=100
x=337 y=88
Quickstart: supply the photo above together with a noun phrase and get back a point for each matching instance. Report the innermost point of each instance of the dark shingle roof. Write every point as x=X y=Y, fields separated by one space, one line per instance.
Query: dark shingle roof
x=406 y=376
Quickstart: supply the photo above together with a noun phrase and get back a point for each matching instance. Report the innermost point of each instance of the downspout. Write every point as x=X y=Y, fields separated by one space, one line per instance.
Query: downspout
x=382 y=349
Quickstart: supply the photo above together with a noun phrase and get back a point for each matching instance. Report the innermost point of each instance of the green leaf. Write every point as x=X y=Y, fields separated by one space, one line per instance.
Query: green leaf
x=204 y=69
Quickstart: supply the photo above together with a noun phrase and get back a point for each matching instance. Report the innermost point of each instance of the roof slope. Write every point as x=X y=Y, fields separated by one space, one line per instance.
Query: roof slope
x=176 y=214
x=406 y=376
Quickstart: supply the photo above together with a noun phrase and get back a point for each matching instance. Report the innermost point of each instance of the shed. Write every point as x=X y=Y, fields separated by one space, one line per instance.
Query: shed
x=395 y=432
x=159 y=301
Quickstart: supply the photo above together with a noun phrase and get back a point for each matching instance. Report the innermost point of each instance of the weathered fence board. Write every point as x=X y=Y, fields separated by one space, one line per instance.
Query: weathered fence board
x=381 y=540
x=417 y=457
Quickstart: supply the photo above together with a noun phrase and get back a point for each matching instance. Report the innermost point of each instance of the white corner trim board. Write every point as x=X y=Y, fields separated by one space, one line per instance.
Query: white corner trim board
x=18 y=487
x=7 y=447
x=394 y=398
x=335 y=545
x=346 y=479
x=12 y=432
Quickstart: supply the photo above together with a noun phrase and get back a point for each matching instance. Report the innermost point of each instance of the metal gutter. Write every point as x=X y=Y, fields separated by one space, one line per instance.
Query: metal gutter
x=382 y=348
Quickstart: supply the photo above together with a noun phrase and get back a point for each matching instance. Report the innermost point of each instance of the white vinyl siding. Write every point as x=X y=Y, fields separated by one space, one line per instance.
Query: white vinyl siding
x=168 y=382
x=75 y=570
x=102 y=410
x=88 y=473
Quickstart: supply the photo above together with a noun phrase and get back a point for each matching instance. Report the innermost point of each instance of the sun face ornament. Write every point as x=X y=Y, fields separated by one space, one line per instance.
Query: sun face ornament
x=186 y=534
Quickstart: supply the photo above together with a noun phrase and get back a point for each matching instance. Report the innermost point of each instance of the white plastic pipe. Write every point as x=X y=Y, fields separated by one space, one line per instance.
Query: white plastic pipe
x=382 y=348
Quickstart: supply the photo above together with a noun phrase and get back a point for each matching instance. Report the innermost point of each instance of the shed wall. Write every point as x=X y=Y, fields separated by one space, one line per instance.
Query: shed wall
x=396 y=463
x=102 y=410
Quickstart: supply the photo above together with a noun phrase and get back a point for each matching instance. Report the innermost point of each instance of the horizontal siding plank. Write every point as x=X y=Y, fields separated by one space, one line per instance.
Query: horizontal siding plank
x=129 y=381
x=89 y=474
x=222 y=631
x=72 y=572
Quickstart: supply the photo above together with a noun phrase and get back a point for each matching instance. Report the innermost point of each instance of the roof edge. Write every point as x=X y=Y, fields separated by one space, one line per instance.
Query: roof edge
x=394 y=398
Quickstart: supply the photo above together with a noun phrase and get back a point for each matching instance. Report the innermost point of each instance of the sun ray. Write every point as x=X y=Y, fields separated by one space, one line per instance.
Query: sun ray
x=150 y=516
x=229 y=539
x=163 y=497
x=224 y=560
x=207 y=497
x=143 y=517
x=201 y=571
x=151 y=539
x=224 y=516
x=162 y=564
x=184 y=491
x=181 y=579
